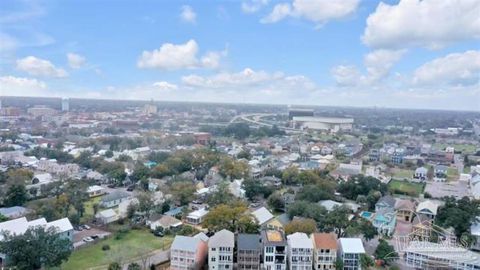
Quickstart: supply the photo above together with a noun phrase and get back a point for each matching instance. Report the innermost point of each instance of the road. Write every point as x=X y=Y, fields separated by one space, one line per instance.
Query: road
x=255 y=118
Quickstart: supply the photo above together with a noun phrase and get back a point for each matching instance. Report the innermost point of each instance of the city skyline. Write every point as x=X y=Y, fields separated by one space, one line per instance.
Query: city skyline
x=325 y=53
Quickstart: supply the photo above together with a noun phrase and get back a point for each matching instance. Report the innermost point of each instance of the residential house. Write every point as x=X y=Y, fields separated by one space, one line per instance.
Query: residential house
x=236 y=189
x=346 y=170
x=278 y=223
x=95 y=190
x=385 y=220
x=187 y=253
x=350 y=251
x=422 y=227
x=428 y=208
x=421 y=173
x=300 y=251
x=440 y=172
x=113 y=199
x=475 y=186
x=107 y=216
x=220 y=250
x=325 y=250
x=429 y=255
x=166 y=222
x=385 y=202
x=249 y=252
x=374 y=155
x=262 y=215
x=405 y=210
x=196 y=217
x=398 y=155
x=274 y=247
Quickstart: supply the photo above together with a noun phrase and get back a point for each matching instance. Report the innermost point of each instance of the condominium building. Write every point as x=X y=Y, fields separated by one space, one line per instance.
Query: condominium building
x=325 y=250
x=300 y=251
x=220 y=250
x=187 y=253
x=428 y=255
x=274 y=247
x=350 y=251
x=249 y=251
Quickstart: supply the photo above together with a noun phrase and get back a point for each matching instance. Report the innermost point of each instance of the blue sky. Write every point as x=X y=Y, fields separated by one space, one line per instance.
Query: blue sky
x=408 y=53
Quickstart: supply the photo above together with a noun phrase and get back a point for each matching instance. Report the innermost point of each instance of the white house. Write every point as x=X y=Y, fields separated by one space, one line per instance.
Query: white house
x=428 y=208
x=220 y=250
x=95 y=190
x=196 y=217
x=300 y=251
x=107 y=216
x=114 y=198
x=350 y=251
x=262 y=215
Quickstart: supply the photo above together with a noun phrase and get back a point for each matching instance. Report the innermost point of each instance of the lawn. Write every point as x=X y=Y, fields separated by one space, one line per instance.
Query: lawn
x=452 y=174
x=88 y=215
x=405 y=187
x=128 y=247
x=402 y=174
x=464 y=148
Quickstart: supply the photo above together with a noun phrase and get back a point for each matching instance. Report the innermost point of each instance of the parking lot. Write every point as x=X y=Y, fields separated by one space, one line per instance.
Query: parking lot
x=458 y=189
x=78 y=236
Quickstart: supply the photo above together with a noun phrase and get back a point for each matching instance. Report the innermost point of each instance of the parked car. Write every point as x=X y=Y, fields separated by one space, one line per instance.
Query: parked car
x=131 y=188
x=88 y=239
x=95 y=236
x=86 y=227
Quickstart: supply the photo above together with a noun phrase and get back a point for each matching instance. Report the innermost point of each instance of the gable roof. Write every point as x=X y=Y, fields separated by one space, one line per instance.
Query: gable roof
x=299 y=240
x=427 y=205
x=223 y=238
x=387 y=200
x=262 y=215
x=116 y=195
x=325 y=240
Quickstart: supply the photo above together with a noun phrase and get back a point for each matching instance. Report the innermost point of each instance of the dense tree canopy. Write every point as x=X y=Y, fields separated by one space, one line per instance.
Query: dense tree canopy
x=233 y=217
x=458 y=214
x=361 y=185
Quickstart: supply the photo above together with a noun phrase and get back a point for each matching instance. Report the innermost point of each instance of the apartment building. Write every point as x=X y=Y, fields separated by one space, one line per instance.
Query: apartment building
x=274 y=247
x=220 y=250
x=429 y=255
x=249 y=251
x=324 y=250
x=350 y=251
x=187 y=253
x=300 y=251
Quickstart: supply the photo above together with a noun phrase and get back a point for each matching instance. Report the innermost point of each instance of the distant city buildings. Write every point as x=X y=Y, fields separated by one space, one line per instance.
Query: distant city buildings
x=65 y=104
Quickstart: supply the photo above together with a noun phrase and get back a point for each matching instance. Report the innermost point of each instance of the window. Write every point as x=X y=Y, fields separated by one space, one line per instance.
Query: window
x=269 y=258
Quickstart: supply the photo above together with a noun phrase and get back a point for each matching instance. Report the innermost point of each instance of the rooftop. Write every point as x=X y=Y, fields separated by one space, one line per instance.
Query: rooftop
x=325 y=240
x=352 y=245
x=248 y=242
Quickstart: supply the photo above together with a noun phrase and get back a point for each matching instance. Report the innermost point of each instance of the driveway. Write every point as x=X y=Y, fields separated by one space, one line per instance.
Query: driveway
x=79 y=235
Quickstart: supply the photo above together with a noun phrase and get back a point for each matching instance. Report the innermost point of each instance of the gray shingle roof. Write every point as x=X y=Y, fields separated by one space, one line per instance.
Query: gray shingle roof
x=248 y=242
x=223 y=238
x=185 y=243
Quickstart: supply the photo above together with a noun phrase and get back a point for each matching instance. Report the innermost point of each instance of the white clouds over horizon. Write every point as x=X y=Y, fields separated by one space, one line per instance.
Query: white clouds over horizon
x=20 y=86
x=179 y=56
x=75 y=61
x=40 y=67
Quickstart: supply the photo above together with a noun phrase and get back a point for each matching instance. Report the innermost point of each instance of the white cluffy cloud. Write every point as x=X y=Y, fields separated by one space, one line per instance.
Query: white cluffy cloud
x=40 y=67
x=454 y=69
x=319 y=12
x=252 y=6
x=17 y=86
x=425 y=23
x=163 y=85
x=75 y=60
x=378 y=65
x=188 y=14
x=171 y=56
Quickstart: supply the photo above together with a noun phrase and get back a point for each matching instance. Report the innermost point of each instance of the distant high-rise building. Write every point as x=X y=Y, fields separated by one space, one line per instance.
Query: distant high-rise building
x=65 y=104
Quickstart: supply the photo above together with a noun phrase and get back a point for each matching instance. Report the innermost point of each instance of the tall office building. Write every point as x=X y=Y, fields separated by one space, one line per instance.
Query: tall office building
x=65 y=104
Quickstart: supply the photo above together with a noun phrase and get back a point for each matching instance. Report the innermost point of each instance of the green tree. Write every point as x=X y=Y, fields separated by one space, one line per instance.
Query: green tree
x=220 y=196
x=276 y=201
x=307 y=226
x=315 y=193
x=337 y=220
x=290 y=175
x=38 y=247
x=109 y=153
x=385 y=252
x=366 y=261
x=233 y=169
x=16 y=195
x=114 y=266
x=140 y=172
x=134 y=266
x=183 y=191
x=368 y=230
x=307 y=210
x=233 y=217
x=76 y=192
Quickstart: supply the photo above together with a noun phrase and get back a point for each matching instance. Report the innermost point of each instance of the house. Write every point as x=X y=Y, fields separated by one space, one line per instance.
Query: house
x=187 y=252
x=14 y=212
x=42 y=179
x=385 y=202
x=166 y=222
x=475 y=232
x=262 y=215
x=422 y=255
x=324 y=250
x=249 y=252
x=106 y=216
x=329 y=204
x=428 y=208
x=346 y=170
x=236 y=189
x=220 y=250
x=421 y=173
x=405 y=210
x=300 y=251
x=196 y=217
x=114 y=198
x=475 y=186
x=95 y=190
x=440 y=172
x=274 y=247
x=385 y=220
x=422 y=227
x=350 y=250
x=19 y=226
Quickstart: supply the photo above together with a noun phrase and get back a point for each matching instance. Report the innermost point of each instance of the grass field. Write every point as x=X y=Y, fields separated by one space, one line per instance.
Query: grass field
x=128 y=247
x=405 y=187
x=452 y=174
x=88 y=215
x=464 y=148
x=402 y=174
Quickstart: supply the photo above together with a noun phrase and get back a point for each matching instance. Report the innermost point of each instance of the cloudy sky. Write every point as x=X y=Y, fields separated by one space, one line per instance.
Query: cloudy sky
x=407 y=53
